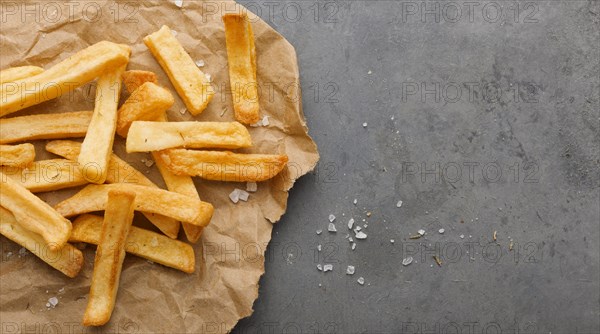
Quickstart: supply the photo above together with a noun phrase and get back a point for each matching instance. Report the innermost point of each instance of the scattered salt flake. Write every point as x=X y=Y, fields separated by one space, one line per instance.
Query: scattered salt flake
x=353 y=246
x=369 y=72
x=178 y=3
x=319 y=231
x=407 y=261
x=462 y=236
x=182 y=110
x=251 y=187
x=327 y=267
x=200 y=63
x=265 y=121
x=421 y=232
x=149 y=163
x=48 y=305
x=319 y=248
x=53 y=301
x=331 y=227
x=208 y=77
x=320 y=285
x=358 y=228
x=392 y=240
x=61 y=290
x=350 y=270
x=331 y=218
x=319 y=267
x=355 y=201
x=361 y=280
x=154 y=242
x=369 y=214
x=234 y=196
x=361 y=235
x=441 y=231
x=350 y=223
x=365 y=124
x=350 y=239
x=243 y=195
x=22 y=251
x=173 y=32
x=399 y=204
x=257 y=124
x=9 y=254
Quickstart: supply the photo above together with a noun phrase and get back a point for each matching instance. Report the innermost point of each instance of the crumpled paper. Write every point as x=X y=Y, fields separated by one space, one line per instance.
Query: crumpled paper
x=230 y=255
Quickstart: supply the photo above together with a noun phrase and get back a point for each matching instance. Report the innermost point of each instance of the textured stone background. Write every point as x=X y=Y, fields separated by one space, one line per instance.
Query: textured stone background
x=516 y=152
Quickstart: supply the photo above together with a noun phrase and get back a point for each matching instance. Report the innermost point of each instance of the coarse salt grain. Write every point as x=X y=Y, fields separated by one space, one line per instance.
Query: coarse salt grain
x=327 y=267
x=407 y=261
x=319 y=248
x=243 y=195
x=53 y=301
x=353 y=246
x=182 y=110
x=350 y=223
x=251 y=187
x=319 y=267
x=361 y=235
x=331 y=227
x=355 y=201
x=200 y=63
x=361 y=280
x=234 y=196
x=399 y=204
x=392 y=240
x=365 y=124
x=265 y=121
x=441 y=231
x=319 y=231
x=331 y=218
x=421 y=232
x=149 y=163
x=350 y=270
x=208 y=77
x=178 y=3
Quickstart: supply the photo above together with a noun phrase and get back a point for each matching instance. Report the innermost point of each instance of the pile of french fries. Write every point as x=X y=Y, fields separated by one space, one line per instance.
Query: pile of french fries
x=181 y=150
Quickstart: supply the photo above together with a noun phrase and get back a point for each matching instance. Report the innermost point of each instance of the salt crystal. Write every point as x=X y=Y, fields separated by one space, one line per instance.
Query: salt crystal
x=257 y=124
x=61 y=290
x=441 y=231
x=462 y=236
x=9 y=254
x=350 y=223
x=265 y=121
x=149 y=163
x=399 y=204
x=53 y=301
x=421 y=232
x=361 y=280
x=320 y=267
x=48 y=305
x=235 y=196
x=331 y=227
x=361 y=235
x=353 y=246
x=407 y=261
x=251 y=187
x=178 y=3
x=208 y=77
x=327 y=267
x=173 y=32
x=331 y=218
x=319 y=231
x=350 y=239
x=365 y=124
x=319 y=248
x=243 y=195
x=369 y=72
x=392 y=240
x=22 y=251
x=350 y=270
x=358 y=228
x=182 y=111
x=200 y=63
x=355 y=201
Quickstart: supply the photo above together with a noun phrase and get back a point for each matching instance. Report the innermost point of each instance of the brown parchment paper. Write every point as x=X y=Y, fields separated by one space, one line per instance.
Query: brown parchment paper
x=230 y=255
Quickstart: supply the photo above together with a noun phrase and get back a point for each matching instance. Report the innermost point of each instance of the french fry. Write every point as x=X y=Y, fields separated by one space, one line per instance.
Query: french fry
x=97 y=145
x=47 y=126
x=146 y=103
x=34 y=214
x=156 y=136
x=241 y=57
x=20 y=155
x=143 y=243
x=75 y=71
x=119 y=172
x=191 y=84
x=174 y=205
x=135 y=78
x=109 y=257
x=46 y=175
x=17 y=73
x=67 y=260
x=223 y=165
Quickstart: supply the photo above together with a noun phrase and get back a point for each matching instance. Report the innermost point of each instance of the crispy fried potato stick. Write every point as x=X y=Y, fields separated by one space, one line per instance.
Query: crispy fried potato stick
x=75 y=71
x=174 y=205
x=20 y=155
x=67 y=260
x=119 y=172
x=46 y=175
x=17 y=73
x=223 y=165
x=48 y=126
x=143 y=243
x=34 y=214
x=97 y=145
x=241 y=57
x=146 y=103
x=109 y=257
x=189 y=81
x=135 y=78
x=156 y=136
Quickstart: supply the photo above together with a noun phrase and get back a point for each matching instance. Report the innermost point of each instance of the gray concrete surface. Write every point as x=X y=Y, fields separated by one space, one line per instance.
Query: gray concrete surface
x=516 y=152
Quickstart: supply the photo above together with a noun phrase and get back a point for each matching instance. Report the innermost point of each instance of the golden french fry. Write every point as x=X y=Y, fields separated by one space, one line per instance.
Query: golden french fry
x=241 y=57
x=143 y=243
x=109 y=257
x=97 y=145
x=75 y=71
x=146 y=103
x=67 y=260
x=156 y=136
x=48 y=126
x=20 y=155
x=46 y=175
x=33 y=213
x=119 y=172
x=135 y=78
x=223 y=165
x=174 y=205
x=17 y=73
x=191 y=84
